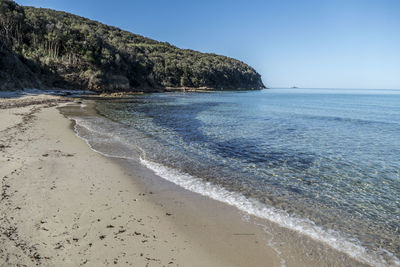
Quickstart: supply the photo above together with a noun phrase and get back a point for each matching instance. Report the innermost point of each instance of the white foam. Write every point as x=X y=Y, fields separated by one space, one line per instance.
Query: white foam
x=252 y=206
x=85 y=124
x=282 y=218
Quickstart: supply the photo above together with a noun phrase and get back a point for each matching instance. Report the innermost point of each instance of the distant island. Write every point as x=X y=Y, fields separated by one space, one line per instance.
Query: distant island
x=43 y=48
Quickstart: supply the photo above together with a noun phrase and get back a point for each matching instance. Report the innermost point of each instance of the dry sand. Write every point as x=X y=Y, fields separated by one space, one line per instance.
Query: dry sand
x=62 y=204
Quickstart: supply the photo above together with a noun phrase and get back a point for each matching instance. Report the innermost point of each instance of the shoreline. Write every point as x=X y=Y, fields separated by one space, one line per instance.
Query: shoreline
x=64 y=204
x=201 y=229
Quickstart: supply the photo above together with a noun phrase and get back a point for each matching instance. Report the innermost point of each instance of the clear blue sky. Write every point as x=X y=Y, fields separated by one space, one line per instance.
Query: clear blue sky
x=316 y=43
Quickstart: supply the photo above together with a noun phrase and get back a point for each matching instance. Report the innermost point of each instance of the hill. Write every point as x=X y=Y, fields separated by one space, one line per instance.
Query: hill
x=44 y=48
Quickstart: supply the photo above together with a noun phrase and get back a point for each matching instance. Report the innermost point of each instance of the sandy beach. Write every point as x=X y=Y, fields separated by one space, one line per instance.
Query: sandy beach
x=62 y=204
x=134 y=134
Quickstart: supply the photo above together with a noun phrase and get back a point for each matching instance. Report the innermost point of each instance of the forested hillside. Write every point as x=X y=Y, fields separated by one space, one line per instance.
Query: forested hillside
x=45 y=48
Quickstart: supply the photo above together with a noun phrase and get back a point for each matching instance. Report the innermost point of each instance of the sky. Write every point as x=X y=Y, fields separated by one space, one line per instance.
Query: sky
x=303 y=43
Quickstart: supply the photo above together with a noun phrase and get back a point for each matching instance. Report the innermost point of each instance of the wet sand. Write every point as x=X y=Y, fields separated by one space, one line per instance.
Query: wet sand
x=62 y=204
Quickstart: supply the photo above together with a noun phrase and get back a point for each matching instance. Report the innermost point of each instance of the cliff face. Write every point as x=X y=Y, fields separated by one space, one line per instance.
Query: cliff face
x=44 y=48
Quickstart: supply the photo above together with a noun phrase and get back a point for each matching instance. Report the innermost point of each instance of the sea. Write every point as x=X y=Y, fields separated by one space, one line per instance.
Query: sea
x=321 y=162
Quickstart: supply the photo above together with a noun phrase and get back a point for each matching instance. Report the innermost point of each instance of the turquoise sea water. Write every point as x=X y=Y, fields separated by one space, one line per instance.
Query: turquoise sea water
x=323 y=162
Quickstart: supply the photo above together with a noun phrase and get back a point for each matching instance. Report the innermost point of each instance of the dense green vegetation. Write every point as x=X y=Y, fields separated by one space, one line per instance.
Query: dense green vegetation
x=48 y=48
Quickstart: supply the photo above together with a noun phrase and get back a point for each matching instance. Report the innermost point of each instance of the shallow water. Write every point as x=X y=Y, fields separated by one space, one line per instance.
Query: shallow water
x=321 y=162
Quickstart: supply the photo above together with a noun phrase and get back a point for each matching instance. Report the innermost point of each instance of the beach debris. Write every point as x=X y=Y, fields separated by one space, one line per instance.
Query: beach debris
x=120 y=231
x=151 y=259
x=110 y=226
x=102 y=237
x=3 y=146
x=36 y=256
x=59 y=246
x=168 y=214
